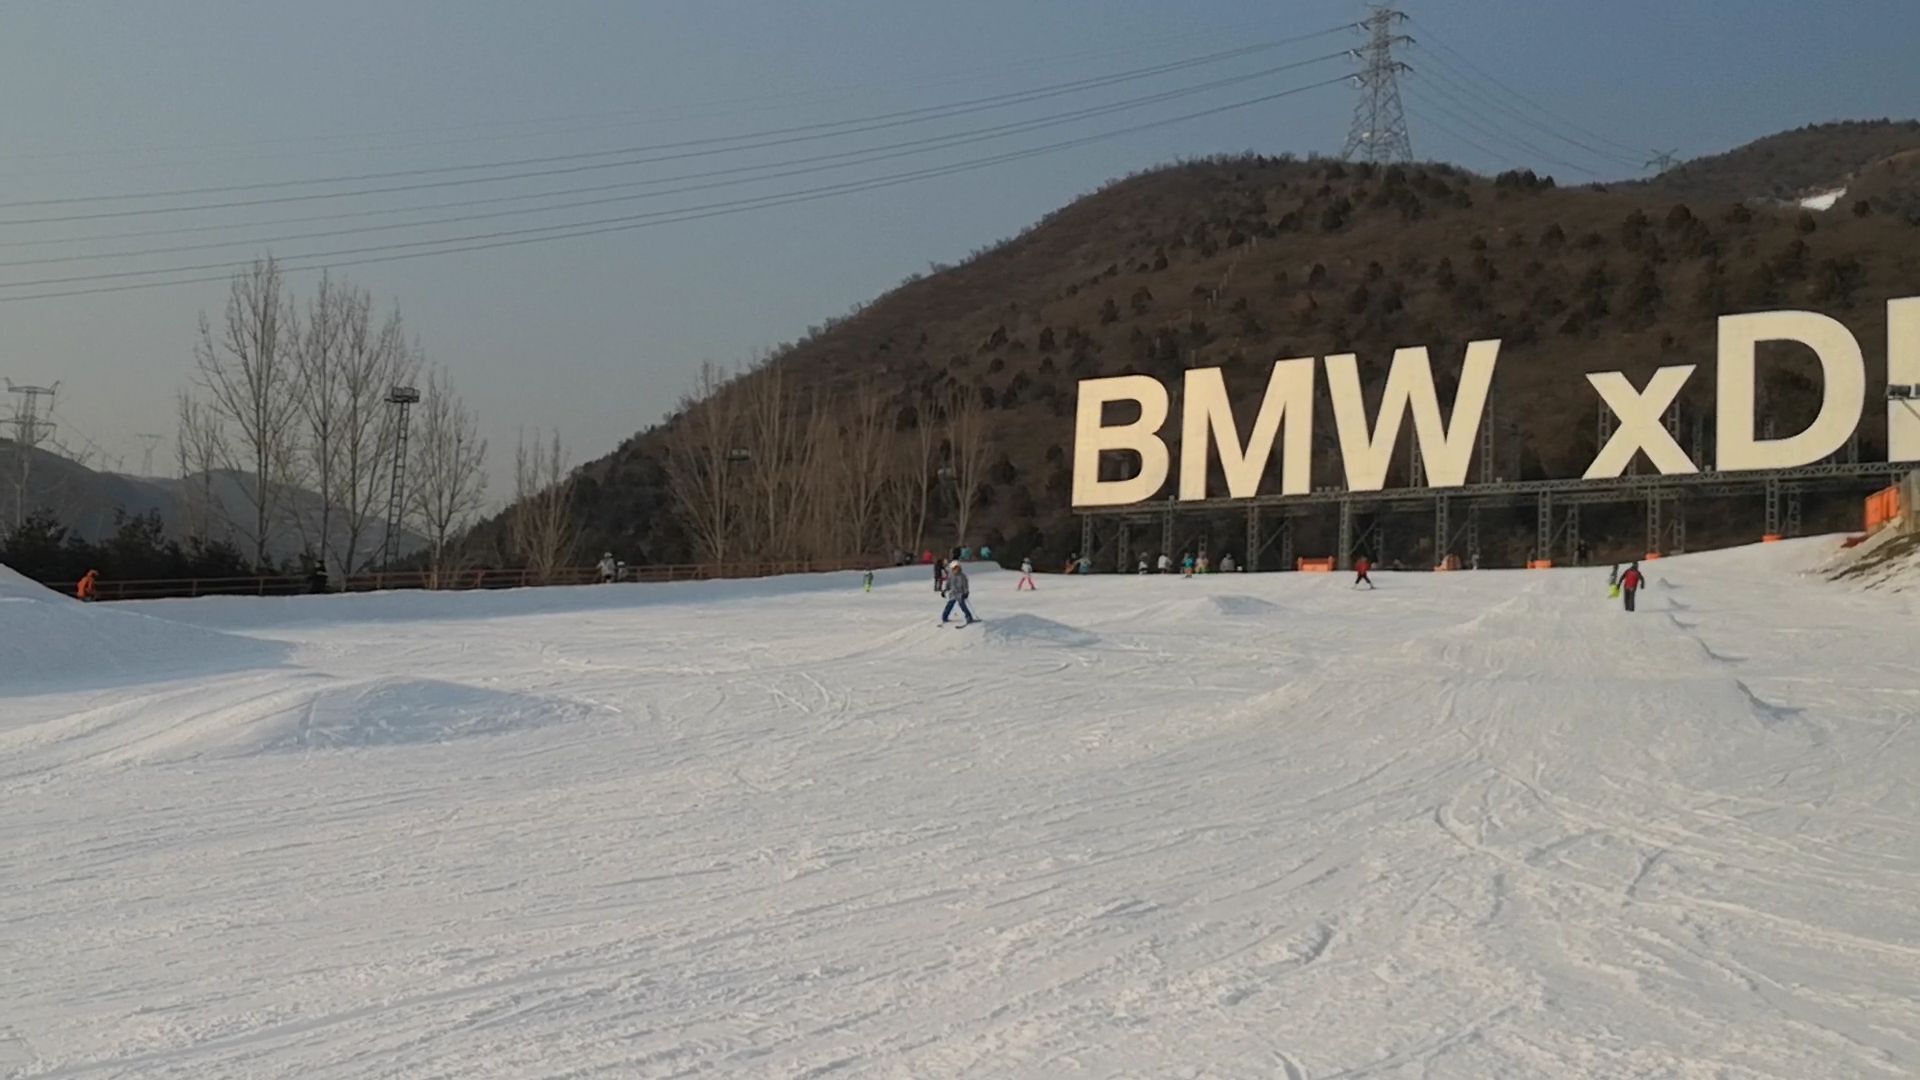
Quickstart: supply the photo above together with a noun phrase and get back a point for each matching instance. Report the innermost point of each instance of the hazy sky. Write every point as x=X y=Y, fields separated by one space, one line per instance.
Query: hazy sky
x=598 y=336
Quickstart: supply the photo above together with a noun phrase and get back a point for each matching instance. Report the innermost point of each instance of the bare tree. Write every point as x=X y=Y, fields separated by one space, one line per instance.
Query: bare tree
x=780 y=456
x=703 y=455
x=541 y=522
x=200 y=448
x=966 y=430
x=447 y=472
x=315 y=459
x=909 y=472
x=862 y=468
x=252 y=384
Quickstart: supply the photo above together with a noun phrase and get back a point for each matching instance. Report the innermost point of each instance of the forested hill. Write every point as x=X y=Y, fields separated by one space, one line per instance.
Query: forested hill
x=1239 y=261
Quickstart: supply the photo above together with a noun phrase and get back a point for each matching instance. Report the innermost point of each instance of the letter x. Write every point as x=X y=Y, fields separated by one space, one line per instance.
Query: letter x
x=1640 y=429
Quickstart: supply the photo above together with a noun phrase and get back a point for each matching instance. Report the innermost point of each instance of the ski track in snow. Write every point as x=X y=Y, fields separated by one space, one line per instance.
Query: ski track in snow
x=1473 y=825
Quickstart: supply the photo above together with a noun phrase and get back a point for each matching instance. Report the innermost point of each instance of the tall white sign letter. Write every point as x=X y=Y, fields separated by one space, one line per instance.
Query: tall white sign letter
x=1091 y=437
x=1843 y=394
x=1903 y=369
x=1640 y=427
x=1207 y=418
x=1447 y=449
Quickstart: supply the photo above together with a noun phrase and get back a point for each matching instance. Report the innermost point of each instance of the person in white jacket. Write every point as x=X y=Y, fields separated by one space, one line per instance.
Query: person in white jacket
x=608 y=568
x=1026 y=576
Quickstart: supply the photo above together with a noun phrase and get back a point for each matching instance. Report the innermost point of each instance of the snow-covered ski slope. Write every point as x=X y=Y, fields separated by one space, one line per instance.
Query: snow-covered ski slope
x=1474 y=825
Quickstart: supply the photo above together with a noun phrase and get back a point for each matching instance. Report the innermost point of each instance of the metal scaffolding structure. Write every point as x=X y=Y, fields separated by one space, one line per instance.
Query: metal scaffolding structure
x=1556 y=506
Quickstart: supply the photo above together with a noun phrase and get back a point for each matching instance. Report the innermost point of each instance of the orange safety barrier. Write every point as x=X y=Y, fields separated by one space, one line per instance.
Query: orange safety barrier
x=1314 y=566
x=1539 y=564
x=1771 y=538
x=1650 y=556
x=1450 y=563
x=1883 y=506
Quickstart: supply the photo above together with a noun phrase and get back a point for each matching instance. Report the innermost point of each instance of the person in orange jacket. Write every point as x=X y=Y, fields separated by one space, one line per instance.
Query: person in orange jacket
x=1360 y=567
x=87 y=588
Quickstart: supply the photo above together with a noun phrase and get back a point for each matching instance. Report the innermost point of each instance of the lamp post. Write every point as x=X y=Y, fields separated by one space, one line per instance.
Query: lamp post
x=403 y=398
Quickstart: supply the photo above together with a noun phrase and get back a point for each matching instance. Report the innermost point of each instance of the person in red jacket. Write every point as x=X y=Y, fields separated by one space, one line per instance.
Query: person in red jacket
x=87 y=590
x=1360 y=567
x=1630 y=583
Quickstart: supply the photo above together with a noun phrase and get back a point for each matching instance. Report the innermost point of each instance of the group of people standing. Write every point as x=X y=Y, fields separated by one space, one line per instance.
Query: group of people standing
x=1190 y=564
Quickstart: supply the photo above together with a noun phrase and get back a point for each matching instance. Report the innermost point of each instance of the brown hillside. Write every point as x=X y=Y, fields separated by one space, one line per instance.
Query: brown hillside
x=1237 y=262
x=1789 y=165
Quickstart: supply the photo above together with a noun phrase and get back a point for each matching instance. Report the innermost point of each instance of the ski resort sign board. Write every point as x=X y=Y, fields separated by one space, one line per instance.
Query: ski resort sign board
x=1446 y=442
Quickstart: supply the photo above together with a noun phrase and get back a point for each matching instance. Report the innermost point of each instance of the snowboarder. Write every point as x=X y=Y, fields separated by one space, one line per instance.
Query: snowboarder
x=87 y=590
x=957 y=594
x=1026 y=576
x=1630 y=583
x=867 y=582
x=1166 y=563
x=1360 y=567
x=940 y=577
x=608 y=568
x=1226 y=563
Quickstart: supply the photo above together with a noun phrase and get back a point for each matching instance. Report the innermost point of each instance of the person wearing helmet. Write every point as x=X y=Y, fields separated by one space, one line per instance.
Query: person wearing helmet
x=957 y=594
x=608 y=568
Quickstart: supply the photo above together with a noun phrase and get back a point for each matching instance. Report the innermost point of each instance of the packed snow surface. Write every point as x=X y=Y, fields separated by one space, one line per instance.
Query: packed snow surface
x=1472 y=825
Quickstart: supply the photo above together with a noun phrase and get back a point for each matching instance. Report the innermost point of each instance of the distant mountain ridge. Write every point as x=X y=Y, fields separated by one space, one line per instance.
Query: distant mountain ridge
x=89 y=502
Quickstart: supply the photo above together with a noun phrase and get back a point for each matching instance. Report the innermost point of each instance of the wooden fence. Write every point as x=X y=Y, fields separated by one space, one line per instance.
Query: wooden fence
x=476 y=578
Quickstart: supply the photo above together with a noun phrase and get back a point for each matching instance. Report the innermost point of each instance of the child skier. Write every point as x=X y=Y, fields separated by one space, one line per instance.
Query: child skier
x=1186 y=564
x=1630 y=583
x=1360 y=567
x=957 y=594
x=1026 y=576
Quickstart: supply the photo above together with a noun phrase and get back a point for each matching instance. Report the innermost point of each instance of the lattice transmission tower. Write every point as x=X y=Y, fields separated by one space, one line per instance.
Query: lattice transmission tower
x=1379 y=133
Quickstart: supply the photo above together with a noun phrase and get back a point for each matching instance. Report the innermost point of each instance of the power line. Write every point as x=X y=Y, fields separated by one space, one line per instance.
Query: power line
x=516 y=238
x=778 y=99
x=1452 y=76
x=1497 y=134
x=1493 y=155
x=843 y=159
x=1426 y=30
x=824 y=129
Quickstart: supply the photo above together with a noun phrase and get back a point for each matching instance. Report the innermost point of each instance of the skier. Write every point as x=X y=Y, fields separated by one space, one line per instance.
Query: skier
x=1630 y=583
x=1026 y=576
x=1360 y=567
x=1201 y=566
x=867 y=582
x=1073 y=564
x=1085 y=565
x=1166 y=563
x=1226 y=563
x=607 y=568
x=986 y=553
x=1613 y=576
x=966 y=554
x=1186 y=564
x=940 y=577
x=1144 y=569
x=86 y=591
x=957 y=594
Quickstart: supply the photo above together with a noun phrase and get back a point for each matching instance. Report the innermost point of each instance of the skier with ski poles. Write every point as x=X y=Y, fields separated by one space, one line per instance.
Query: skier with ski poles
x=1026 y=576
x=957 y=594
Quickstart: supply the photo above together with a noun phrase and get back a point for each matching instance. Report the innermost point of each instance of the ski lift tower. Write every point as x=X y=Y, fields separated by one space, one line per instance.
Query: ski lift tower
x=402 y=398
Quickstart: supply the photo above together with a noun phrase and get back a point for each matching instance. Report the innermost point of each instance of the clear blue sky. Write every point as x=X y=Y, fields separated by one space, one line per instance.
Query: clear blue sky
x=599 y=336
